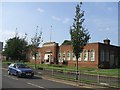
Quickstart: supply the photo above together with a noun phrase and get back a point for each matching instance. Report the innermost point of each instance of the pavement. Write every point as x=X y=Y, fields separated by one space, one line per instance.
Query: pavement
x=75 y=83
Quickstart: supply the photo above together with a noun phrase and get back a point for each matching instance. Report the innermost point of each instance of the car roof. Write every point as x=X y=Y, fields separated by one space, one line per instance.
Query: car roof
x=17 y=64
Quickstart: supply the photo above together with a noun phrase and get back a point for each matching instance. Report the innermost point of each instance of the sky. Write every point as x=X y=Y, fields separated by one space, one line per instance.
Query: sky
x=101 y=20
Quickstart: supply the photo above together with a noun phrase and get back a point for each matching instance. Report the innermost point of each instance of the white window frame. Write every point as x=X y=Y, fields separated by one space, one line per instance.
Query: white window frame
x=80 y=58
x=86 y=52
x=73 y=57
x=63 y=56
x=59 y=57
x=93 y=55
x=68 y=55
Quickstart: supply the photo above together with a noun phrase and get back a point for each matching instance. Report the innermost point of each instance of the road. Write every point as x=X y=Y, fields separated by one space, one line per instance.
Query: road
x=9 y=81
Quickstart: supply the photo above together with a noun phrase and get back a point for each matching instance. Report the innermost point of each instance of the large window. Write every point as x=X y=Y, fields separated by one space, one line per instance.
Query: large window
x=63 y=56
x=85 y=55
x=80 y=57
x=102 y=55
x=92 y=55
x=59 y=57
x=68 y=55
x=107 y=55
x=39 y=55
x=33 y=57
x=73 y=56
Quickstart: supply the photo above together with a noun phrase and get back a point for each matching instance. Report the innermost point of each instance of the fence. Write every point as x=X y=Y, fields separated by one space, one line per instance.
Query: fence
x=84 y=77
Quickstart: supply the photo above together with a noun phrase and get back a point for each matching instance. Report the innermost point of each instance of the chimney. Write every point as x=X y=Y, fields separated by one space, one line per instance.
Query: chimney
x=107 y=41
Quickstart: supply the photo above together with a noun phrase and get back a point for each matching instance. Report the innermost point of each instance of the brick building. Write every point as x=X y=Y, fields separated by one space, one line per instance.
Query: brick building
x=47 y=53
x=94 y=55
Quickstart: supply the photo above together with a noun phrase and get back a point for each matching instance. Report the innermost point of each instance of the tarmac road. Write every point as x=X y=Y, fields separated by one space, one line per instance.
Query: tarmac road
x=12 y=82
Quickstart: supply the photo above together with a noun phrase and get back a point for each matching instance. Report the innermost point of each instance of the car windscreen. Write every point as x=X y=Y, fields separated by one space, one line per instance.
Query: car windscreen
x=22 y=66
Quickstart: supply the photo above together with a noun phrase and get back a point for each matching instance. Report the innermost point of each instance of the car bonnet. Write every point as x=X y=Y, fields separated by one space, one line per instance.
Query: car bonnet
x=25 y=69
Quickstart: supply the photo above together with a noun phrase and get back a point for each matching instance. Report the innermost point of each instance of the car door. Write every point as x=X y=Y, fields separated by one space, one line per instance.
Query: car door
x=10 y=68
x=13 y=69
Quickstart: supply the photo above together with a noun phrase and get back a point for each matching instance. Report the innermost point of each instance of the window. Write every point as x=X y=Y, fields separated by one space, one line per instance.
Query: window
x=92 y=55
x=33 y=57
x=107 y=55
x=73 y=56
x=102 y=55
x=38 y=55
x=68 y=55
x=63 y=56
x=85 y=55
x=59 y=57
x=80 y=58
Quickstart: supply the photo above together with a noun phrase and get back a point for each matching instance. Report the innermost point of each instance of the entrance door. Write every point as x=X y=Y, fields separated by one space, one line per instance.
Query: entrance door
x=47 y=58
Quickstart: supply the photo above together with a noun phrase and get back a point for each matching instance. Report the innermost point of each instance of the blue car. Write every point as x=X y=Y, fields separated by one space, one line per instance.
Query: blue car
x=20 y=70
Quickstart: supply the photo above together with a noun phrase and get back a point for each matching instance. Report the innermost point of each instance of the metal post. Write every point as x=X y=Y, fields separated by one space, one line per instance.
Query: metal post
x=98 y=77
x=50 y=33
x=35 y=61
x=52 y=72
x=79 y=76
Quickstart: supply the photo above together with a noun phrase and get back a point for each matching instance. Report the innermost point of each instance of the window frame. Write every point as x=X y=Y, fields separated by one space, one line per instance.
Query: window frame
x=85 y=52
x=93 y=55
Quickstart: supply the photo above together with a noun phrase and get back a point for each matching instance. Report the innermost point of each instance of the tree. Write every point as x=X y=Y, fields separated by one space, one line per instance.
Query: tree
x=79 y=35
x=15 y=48
x=36 y=41
x=66 y=42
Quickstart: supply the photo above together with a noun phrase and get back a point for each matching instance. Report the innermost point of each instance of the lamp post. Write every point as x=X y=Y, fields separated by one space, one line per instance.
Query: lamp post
x=51 y=33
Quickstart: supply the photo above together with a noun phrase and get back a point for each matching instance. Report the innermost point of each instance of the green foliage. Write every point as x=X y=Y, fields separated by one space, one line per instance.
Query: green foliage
x=66 y=42
x=35 y=42
x=79 y=35
x=15 y=48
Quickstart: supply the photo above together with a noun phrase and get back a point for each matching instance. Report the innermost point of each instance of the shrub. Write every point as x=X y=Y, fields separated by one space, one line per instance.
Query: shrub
x=101 y=66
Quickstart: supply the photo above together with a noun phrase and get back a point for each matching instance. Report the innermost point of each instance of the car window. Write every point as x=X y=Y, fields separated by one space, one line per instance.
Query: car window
x=22 y=66
x=11 y=65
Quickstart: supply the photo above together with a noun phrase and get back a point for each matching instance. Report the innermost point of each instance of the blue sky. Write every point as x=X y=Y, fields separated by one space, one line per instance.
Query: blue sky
x=101 y=20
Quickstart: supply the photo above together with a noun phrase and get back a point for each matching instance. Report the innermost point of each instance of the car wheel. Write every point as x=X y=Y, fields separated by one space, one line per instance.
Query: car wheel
x=31 y=76
x=9 y=72
x=17 y=74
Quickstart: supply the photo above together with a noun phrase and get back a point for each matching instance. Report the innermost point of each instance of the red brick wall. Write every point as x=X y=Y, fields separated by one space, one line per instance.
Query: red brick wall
x=91 y=46
x=82 y=63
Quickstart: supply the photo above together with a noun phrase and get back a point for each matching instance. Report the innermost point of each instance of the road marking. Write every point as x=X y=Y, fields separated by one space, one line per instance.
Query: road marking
x=35 y=85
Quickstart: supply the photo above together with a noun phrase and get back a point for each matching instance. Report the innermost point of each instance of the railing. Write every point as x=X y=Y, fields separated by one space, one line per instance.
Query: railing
x=84 y=77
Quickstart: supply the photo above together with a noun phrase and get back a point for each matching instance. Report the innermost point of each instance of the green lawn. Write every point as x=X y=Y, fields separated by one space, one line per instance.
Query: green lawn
x=107 y=72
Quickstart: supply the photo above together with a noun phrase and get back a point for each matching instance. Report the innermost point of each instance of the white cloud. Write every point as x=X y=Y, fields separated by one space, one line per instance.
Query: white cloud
x=66 y=20
x=40 y=10
x=56 y=18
